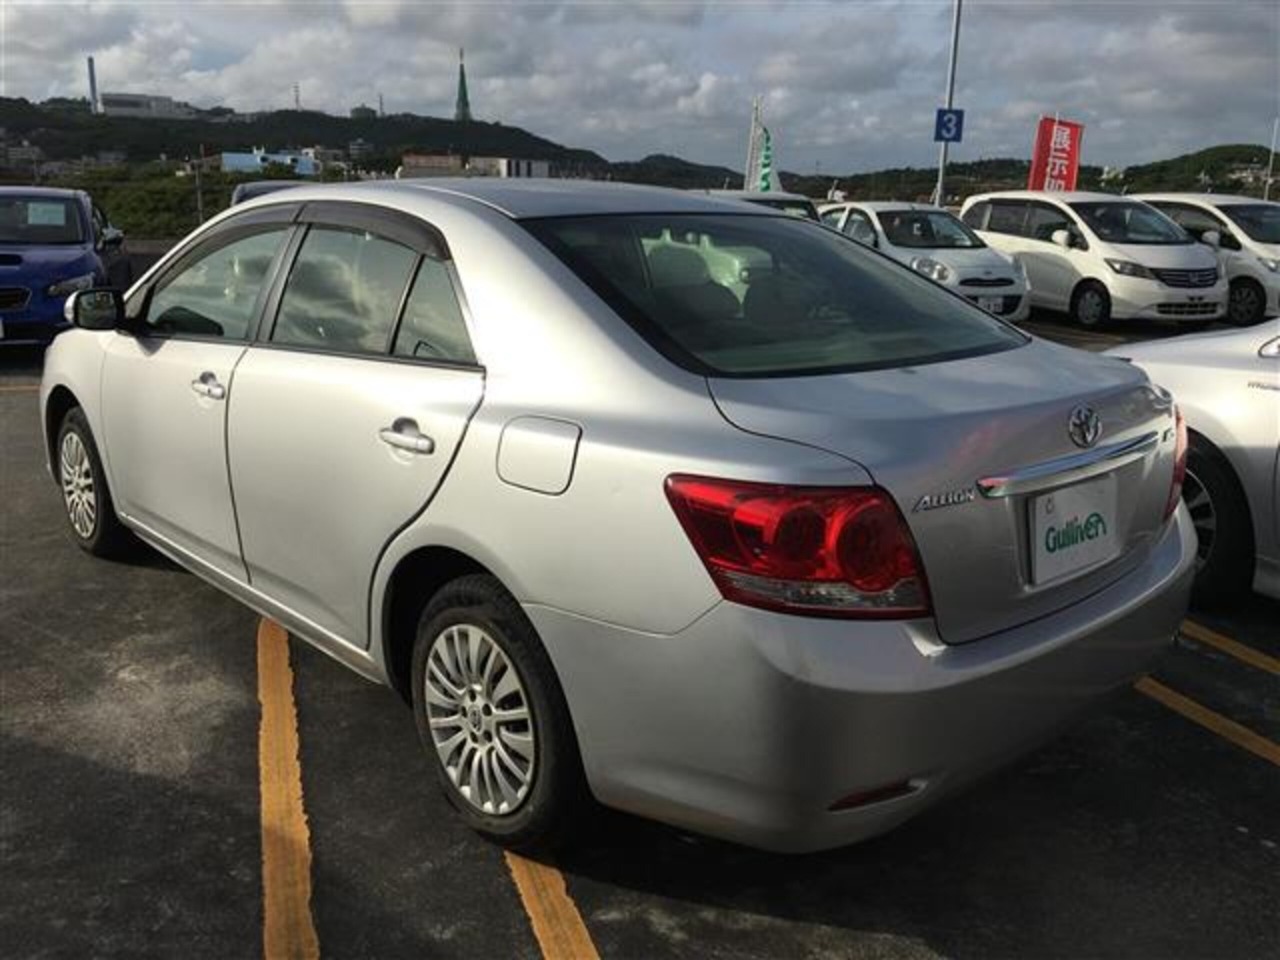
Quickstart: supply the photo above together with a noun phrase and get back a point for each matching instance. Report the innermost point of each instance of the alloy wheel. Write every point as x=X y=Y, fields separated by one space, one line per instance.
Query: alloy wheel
x=1090 y=308
x=1203 y=516
x=78 y=492
x=1244 y=304
x=480 y=719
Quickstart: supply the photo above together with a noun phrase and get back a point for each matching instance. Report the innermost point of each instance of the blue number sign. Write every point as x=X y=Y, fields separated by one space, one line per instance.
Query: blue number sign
x=948 y=127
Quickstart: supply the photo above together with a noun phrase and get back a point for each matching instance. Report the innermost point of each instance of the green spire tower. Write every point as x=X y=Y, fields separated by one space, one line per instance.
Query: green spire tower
x=462 y=109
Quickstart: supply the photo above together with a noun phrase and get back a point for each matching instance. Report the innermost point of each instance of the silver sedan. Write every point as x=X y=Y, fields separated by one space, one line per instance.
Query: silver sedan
x=1228 y=386
x=699 y=510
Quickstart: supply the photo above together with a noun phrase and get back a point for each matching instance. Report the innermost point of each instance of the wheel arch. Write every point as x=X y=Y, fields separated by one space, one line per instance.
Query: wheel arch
x=1214 y=451
x=418 y=576
x=61 y=401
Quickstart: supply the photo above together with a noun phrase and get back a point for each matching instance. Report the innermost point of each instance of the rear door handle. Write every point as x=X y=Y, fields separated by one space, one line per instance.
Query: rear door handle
x=404 y=435
x=207 y=385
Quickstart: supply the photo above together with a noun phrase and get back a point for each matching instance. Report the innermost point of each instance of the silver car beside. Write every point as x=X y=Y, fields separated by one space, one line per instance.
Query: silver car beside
x=696 y=508
x=1228 y=386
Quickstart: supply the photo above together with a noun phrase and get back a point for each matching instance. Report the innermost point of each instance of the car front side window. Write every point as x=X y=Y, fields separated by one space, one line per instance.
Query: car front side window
x=217 y=294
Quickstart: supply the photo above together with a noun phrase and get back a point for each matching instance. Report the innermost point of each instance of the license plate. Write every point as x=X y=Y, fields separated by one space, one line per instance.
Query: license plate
x=1073 y=529
x=991 y=304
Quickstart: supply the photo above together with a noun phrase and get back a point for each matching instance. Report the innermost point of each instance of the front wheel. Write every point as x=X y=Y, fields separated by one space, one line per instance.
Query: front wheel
x=90 y=513
x=1091 y=305
x=492 y=716
x=1246 y=303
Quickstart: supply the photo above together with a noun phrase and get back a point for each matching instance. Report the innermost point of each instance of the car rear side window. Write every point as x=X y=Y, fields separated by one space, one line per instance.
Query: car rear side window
x=216 y=294
x=1007 y=216
x=755 y=296
x=344 y=292
x=432 y=327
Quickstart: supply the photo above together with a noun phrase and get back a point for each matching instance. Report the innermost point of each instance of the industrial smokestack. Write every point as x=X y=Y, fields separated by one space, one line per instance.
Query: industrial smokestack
x=93 y=89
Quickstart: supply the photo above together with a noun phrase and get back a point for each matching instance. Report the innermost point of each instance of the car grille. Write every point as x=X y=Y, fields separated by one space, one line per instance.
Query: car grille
x=987 y=282
x=1187 y=278
x=1008 y=304
x=14 y=298
x=1208 y=309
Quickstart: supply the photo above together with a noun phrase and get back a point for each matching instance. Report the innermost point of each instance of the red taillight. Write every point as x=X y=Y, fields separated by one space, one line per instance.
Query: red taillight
x=1179 y=464
x=827 y=551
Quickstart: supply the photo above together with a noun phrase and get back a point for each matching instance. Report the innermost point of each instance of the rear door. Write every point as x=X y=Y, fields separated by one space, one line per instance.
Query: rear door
x=349 y=408
x=165 y=388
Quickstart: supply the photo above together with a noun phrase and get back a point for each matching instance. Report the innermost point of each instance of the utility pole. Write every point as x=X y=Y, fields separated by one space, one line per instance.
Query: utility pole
x=939 y=197
x=1271 y=162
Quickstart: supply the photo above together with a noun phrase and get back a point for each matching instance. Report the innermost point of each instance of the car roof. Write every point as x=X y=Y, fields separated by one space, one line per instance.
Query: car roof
x=758 y=195
x=1209 y=199
x=879 y=205
x=521 y=198
x=1065 y=196
x=51 y=193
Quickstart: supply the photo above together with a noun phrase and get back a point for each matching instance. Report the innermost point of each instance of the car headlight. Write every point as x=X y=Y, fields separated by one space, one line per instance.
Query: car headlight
x=1127 y=268
x=69 y=286
x=931 y=268
x=1270 y=264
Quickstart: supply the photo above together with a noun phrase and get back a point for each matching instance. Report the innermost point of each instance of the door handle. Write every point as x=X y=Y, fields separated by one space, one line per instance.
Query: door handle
x=404 y=435
x=207 y=385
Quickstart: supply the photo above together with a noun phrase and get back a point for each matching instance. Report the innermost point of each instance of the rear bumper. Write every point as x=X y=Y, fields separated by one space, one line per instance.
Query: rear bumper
x=749 y=725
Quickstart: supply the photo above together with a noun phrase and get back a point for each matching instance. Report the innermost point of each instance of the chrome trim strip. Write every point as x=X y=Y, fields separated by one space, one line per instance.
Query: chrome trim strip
x=1068 y=469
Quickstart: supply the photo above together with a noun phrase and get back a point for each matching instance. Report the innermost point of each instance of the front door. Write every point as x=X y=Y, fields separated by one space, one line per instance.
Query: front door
x=344 y=421
x=165 y=391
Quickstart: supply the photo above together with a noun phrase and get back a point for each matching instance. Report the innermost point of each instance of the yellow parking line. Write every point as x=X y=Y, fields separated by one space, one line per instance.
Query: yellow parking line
x=287 y=927
x=1232 y=648
x=22 y=388
x=557 y=924
x=1241 y=736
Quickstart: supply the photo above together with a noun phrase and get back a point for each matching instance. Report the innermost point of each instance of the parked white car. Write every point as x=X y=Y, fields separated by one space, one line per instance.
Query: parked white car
x=937 y=244
x=1227 y=385
x=1248 y=239
x=1099 y=256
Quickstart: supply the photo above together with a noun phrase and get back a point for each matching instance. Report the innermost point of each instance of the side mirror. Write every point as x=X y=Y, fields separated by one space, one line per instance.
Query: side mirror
x=1062 y=238
x=101 y=309
x=1212 y=238
x=112 y=238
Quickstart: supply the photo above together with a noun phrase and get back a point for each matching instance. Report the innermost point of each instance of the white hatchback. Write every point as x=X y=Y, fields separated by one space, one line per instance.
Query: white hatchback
x=937 y=244
x=1099 y=256
x=1248 y=240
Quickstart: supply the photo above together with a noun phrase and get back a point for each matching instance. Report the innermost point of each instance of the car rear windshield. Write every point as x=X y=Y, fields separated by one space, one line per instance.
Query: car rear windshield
x=927 y=229
x=1261 y=221
x=797 y=208
x=35 y=220
x=1123 y=221
x=760 y=296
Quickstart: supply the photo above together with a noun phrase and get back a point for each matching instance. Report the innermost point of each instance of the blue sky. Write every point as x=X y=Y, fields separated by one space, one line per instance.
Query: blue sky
x=847 y=86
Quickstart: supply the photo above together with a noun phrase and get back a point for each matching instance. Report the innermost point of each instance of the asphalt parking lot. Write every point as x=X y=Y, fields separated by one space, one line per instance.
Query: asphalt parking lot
x=150 y=801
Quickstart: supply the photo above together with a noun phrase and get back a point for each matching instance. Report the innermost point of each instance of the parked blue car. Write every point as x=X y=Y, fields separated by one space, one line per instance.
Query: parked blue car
x=52 y=242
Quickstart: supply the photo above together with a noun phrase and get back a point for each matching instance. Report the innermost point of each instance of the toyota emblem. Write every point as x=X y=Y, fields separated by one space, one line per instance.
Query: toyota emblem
x=1084 y=426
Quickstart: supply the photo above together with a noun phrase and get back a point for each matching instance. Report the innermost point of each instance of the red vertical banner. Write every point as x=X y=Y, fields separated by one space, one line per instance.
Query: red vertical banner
x=1055 y=158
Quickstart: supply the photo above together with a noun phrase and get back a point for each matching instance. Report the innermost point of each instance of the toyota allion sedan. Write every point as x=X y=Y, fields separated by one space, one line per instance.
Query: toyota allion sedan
x=700 y=510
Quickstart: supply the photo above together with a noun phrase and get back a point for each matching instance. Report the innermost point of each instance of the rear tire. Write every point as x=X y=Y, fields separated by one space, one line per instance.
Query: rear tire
x=1246 y=303
x=1091 y=305
x=1216 y=502
x=493 y=719
x=91 y=515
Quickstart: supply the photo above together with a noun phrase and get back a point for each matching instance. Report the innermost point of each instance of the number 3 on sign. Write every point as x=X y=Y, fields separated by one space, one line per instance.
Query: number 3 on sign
x=948 y=126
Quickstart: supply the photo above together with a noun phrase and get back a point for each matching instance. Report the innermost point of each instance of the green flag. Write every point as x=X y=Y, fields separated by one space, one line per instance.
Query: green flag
x=766 y=161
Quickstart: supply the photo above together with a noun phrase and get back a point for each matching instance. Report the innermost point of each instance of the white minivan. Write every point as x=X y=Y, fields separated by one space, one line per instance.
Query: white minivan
x=1099 y=256
x=1248 y=240
x=937 y=244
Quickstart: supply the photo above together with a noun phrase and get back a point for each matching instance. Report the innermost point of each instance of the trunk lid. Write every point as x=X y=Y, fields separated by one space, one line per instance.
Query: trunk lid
x=929 y=433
